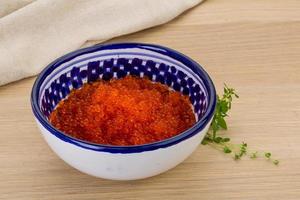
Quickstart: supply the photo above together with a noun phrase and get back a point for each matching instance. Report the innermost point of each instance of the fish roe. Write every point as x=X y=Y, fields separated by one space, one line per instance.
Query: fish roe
x=127 y=111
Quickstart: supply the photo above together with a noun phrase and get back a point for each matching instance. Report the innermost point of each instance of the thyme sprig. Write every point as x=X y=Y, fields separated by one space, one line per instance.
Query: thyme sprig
x=223 y=143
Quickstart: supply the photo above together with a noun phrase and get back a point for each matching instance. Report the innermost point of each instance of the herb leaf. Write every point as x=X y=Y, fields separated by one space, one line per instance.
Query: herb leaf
x=222 y=123
x=226 y=149
x=268 y=155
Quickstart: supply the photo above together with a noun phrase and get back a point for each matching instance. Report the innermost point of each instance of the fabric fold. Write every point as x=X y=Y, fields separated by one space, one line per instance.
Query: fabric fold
x=41 y=31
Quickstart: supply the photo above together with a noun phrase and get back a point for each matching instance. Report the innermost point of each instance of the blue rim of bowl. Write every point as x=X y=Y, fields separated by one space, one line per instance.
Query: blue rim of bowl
x=195 y=67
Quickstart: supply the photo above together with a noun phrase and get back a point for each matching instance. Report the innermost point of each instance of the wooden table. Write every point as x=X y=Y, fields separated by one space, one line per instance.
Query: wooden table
x=254 y=46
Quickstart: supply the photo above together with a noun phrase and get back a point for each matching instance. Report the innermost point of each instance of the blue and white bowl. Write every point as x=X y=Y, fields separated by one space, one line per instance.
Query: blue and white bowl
x=160 y=64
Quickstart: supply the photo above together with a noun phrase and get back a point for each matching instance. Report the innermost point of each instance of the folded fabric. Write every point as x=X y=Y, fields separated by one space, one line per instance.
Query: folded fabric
x=9 y=6
x=34 y=33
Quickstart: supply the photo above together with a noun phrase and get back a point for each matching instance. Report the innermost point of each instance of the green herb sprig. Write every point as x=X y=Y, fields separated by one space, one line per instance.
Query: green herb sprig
x=223 y=143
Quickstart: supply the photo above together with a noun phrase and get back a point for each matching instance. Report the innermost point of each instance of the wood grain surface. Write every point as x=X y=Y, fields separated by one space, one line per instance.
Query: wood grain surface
x=254 y=46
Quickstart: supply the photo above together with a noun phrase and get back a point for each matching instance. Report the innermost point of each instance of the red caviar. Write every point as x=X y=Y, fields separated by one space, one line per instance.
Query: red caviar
x=127 y=111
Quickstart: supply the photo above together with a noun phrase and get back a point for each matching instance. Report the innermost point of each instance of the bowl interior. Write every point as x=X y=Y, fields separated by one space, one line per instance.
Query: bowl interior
x=116 y=61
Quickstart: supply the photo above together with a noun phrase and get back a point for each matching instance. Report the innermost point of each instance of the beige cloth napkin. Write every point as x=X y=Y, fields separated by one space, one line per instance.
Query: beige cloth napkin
x=35 y=32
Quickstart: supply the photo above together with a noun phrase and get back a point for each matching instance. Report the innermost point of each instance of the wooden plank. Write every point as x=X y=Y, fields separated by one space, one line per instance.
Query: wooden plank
x=253 y=46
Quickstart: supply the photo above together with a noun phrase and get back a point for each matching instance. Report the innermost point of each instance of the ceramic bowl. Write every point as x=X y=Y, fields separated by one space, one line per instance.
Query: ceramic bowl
x=108 y=61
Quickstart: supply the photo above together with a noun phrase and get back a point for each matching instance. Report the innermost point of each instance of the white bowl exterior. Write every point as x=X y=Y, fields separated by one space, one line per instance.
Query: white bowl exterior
x=127 y=166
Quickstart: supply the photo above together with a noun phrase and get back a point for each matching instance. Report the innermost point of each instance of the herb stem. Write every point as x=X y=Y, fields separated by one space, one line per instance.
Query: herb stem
x=223 y=143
